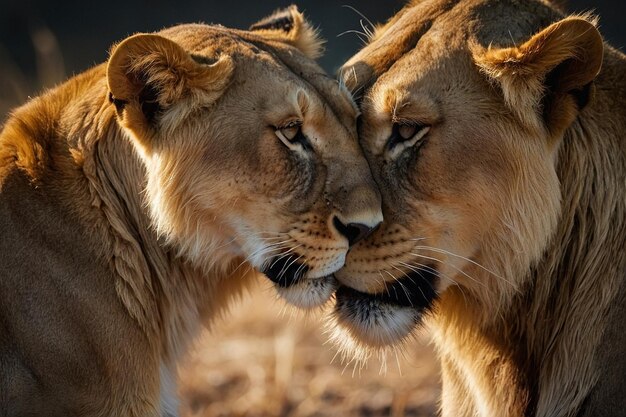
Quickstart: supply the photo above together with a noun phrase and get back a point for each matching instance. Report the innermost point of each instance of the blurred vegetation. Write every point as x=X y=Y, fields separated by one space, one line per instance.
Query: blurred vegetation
x=16 y=85
x=266 y=359
x=43 y=41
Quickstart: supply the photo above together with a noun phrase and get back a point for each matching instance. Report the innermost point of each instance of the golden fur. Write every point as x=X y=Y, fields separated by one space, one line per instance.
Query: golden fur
x=505 y=213
x=136 y=198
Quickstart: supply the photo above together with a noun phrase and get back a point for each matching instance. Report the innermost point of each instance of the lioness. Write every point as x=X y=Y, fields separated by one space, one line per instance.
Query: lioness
x=135 y=197
x=496 y=131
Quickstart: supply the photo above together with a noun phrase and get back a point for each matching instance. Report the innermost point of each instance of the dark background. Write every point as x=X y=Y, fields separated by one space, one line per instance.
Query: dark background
x=43 y=42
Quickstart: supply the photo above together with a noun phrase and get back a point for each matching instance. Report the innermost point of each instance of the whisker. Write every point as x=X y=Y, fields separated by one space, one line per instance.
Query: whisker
x=282 y=242
x=285 y=268
x=397 y=280
x=271 y=255
x=279 y=245
x=433 y=270
x=421 y=267
x=270 y=239
x=470 y=261
x=360 y=14
x=419 y=288
x=384 y=282
x=458 y=256
x=284 y=254
x=302 y=265
x=404 y=275
x=271 y=245
x=450 y=265
x=357 y=33
x=263 y=250
x=367 y=30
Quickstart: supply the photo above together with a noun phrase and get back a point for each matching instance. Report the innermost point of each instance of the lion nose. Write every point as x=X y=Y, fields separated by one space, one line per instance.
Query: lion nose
x=354 y=232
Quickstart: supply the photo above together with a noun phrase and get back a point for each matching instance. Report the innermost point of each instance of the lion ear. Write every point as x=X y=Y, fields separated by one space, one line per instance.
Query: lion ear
x=148 y=75
x=550 y=76
x=289 y=26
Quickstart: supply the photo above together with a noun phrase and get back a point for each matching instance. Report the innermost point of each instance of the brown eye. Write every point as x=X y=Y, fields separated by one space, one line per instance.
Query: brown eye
x=291 y=135
x=406 y=131
x=405 y=135
x=290 y=131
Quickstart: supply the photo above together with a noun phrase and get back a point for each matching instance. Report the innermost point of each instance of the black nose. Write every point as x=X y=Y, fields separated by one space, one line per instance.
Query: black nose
x=353 y=231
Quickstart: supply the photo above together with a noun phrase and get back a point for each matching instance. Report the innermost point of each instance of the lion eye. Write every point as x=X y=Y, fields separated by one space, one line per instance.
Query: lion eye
x=291 y=135
x=406 y=132
x=290 y=132
x=405 y=135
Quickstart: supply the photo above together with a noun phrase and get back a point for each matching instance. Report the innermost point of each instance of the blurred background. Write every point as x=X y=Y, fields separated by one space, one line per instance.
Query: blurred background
x=43 y=41
x=263 y=359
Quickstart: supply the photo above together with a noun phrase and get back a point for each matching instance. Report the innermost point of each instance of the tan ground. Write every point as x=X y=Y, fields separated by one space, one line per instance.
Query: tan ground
x=267 y=360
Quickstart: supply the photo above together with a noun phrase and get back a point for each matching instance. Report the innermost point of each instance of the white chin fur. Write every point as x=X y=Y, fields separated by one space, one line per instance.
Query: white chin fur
x=309 y=293
x=374 y=323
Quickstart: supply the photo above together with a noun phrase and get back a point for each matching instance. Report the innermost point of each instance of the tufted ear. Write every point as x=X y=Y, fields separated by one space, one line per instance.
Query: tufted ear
x=148 y=75
x=550 y=77
x=289 y=26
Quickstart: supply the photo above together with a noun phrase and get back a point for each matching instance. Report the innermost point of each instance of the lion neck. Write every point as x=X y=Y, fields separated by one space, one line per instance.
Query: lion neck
x=575 y=285
x=571 y=290
x=170 y=298
x=538 y=354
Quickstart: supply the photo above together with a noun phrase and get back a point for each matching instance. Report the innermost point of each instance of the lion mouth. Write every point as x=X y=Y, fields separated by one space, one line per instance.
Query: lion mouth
x=375 y=319
x=416 y=290
x=286 y=271
x=389 y=317
x=288 y=275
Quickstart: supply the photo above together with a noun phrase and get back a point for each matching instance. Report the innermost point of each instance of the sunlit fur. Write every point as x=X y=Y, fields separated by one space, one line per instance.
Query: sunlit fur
x=515 y=196
x=137 y=199
x=309 y=293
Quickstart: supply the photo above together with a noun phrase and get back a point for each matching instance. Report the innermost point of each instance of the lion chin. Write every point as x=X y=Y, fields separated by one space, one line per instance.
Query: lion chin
x=310 y=293
x=389 y=317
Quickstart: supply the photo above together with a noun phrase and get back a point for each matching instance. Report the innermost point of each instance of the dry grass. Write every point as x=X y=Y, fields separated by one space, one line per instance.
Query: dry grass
x=259 y=361
x=15 y=86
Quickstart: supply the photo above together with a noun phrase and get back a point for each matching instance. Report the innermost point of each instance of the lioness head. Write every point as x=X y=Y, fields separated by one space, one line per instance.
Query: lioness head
x=463 y=112
x=251 y=150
